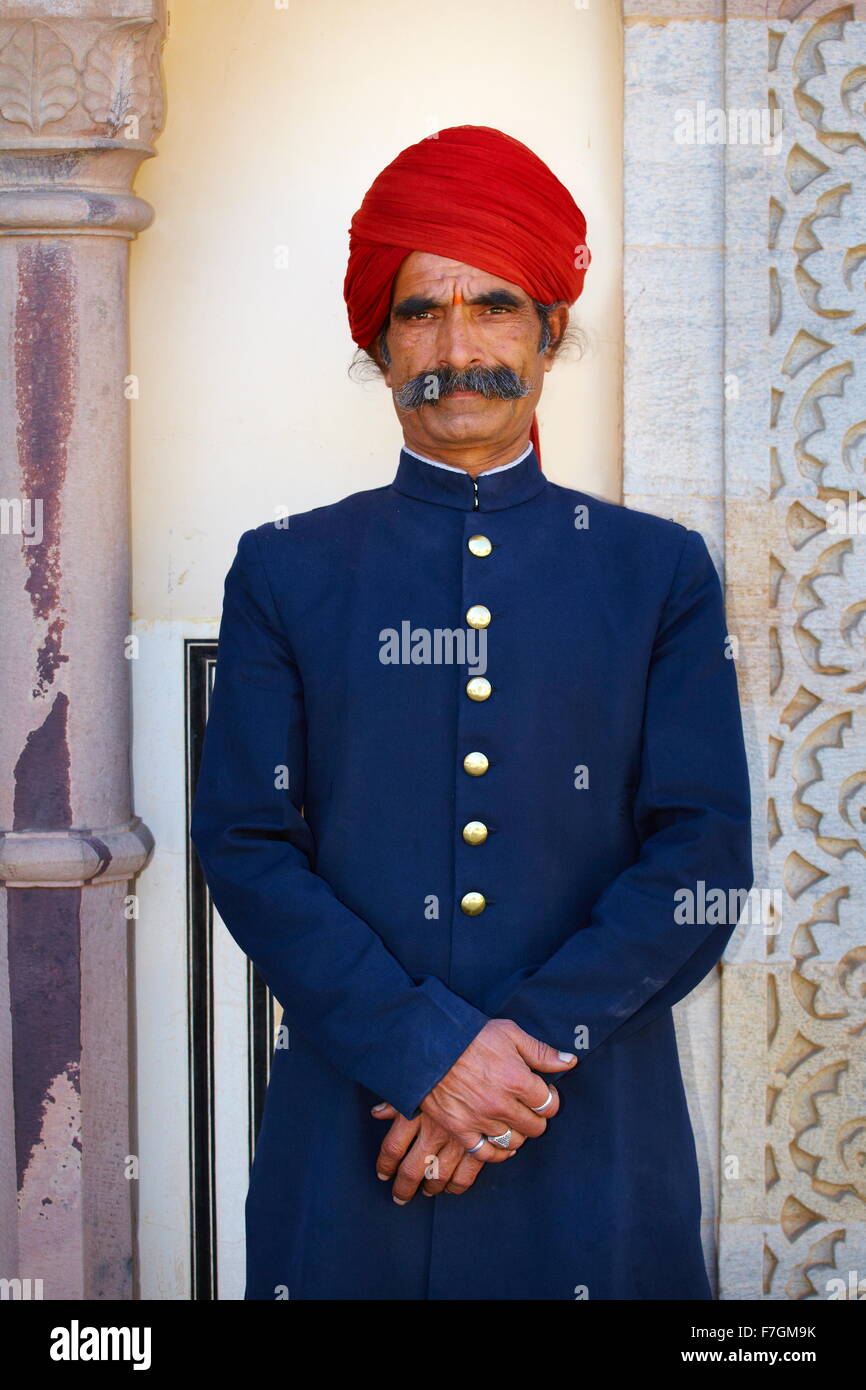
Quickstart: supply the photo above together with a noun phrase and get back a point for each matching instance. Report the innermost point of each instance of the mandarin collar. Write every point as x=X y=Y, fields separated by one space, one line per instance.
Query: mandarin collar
x=415 y=478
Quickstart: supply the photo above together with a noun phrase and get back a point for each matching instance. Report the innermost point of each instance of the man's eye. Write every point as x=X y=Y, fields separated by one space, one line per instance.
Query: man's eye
x=490 y=309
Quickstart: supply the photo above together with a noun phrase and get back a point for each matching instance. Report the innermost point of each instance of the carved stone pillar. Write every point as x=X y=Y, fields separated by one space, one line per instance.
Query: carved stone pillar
x=745 y=361
x=80 y=104
x=794 y=988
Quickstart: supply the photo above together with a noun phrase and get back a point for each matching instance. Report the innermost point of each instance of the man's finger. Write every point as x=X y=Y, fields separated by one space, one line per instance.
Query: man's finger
x=441 y=1173
x=454 y=1172
x=421 y=1159
x=553 y=1107
x=463 y=1177
x=384 y=1111
x=514 y=1114
x=540 y=1056
x=487 y=1153
x=441 y=1168
x=535 y=1121
x=539 y=1092
x=394 y=1147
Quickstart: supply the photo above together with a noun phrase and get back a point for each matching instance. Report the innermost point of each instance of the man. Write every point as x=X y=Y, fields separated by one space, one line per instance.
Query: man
x=460 y=864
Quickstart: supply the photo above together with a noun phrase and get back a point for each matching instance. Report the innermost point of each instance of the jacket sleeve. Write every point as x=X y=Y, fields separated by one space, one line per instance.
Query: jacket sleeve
x=633 y=958
x=332 y=973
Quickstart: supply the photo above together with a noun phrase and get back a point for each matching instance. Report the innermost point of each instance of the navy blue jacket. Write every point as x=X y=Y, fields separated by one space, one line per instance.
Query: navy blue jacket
x=328 y=819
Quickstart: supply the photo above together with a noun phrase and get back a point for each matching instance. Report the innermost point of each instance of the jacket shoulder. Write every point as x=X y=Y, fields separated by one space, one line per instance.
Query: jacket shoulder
x=328 y=520
x=647 y=546
x=628 y=523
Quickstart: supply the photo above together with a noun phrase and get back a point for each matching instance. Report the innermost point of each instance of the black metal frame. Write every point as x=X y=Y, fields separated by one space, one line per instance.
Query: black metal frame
x=200 y=658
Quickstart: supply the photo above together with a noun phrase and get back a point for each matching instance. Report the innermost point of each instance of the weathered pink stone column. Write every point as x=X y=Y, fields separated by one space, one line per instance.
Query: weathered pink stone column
x=80 y=103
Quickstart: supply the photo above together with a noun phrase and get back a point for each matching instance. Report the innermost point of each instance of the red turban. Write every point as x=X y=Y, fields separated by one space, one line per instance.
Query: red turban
x=471 y=194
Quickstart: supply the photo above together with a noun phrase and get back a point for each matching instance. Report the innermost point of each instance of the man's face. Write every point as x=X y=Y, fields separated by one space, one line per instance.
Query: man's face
x=445 y=314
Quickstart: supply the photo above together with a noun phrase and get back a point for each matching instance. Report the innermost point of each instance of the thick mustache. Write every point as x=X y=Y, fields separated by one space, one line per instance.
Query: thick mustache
x=427 y=388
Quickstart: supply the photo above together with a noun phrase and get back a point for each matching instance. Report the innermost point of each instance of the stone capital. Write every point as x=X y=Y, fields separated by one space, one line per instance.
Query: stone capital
x=81 y=103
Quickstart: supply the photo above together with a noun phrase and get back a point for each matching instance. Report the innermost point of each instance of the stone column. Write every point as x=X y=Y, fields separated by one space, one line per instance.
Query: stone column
x=745 y=342
x=80 y=104
x=794 y=988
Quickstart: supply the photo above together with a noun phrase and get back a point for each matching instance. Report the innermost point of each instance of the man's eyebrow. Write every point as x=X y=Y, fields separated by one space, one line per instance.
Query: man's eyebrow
x=418 y=303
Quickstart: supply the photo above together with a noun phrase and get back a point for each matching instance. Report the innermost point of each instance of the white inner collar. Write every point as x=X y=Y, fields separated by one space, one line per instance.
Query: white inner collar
x=451 y=468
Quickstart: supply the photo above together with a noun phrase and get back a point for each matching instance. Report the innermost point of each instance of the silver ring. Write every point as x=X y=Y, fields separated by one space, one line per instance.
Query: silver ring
x=478 y=1146
x=538 y=1108
x=502 y=1140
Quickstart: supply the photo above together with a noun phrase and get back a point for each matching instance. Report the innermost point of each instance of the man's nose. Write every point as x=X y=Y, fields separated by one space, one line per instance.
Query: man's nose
x=456 y=345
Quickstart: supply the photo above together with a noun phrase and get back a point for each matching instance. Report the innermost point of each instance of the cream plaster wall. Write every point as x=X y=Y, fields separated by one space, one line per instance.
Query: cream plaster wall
x=277 y=122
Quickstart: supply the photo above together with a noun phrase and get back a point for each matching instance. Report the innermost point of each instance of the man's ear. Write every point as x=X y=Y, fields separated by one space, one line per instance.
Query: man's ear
x=375 y=351
x=557 y=321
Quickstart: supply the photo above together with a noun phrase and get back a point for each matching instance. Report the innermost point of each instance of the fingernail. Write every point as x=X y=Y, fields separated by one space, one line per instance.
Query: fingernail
x=380 y=1106
x=567 y=1057
x=399 y=1202
x=513 y=1153
x=428 y=1194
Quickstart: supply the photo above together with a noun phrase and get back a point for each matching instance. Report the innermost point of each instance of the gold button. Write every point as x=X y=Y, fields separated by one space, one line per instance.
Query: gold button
x=473 y=903
x=479 y=688
x=478 y=615
x=479 y=545
x=475 y=832
x=476 y=764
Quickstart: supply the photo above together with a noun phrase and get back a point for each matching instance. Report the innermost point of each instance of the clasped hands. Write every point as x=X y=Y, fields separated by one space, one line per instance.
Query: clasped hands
x=491 y=1088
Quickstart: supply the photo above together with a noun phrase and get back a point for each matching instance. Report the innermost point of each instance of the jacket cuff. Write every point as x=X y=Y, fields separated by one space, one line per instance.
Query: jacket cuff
x=442 y=1027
